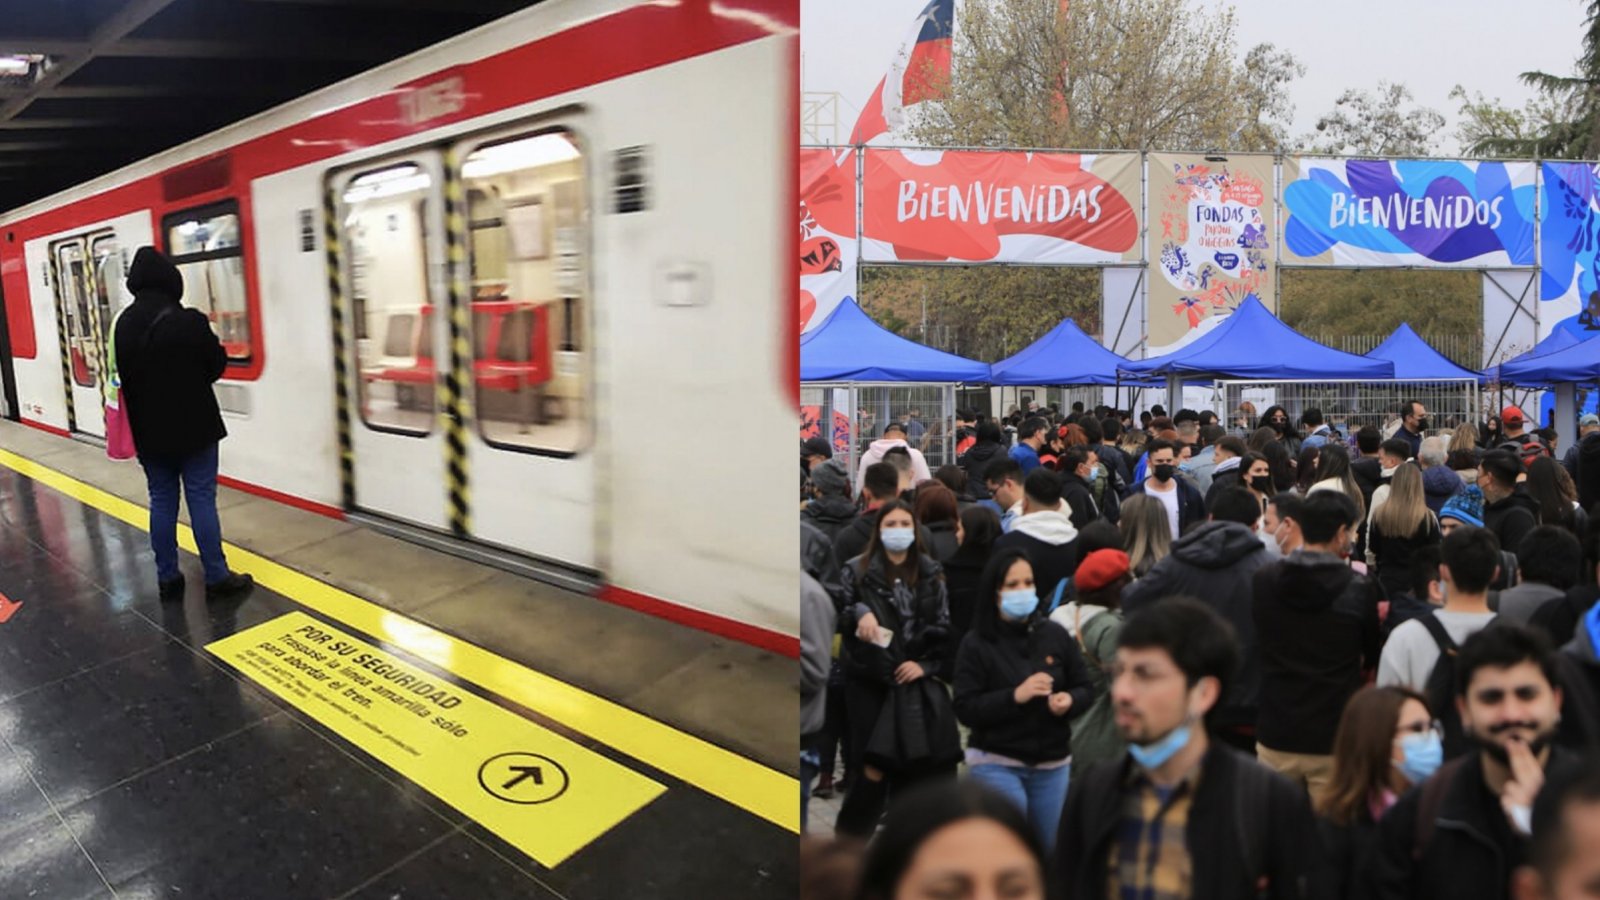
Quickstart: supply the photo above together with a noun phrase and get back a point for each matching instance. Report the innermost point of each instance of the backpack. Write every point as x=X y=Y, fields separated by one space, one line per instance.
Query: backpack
x=1441 y=687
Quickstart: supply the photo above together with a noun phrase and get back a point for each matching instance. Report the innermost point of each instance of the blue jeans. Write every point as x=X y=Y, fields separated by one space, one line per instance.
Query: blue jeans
x=809 y=766
x=1038 y=792
x=198 y=474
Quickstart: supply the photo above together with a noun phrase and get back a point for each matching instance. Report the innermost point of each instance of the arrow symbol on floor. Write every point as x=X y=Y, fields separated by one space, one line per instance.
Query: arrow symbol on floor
x=9 y=606
x=524 y=772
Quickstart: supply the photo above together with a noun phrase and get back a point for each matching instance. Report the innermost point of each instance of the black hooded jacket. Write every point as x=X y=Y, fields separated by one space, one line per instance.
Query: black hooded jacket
x=1317 y=629
x=1512 y=517
x=167 y=375
x=1215 y=563
x=976 y=463
x=1588 y=474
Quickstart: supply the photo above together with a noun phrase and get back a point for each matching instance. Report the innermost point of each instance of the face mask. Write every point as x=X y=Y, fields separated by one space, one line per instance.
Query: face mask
x=1422 y=424
x=1423 y=754
x=1162 y=472
x=1261 y=483
x=898 y=540
x=1153 y=756
x=1094 y=475
x=1185 y=467
x=1019 y=604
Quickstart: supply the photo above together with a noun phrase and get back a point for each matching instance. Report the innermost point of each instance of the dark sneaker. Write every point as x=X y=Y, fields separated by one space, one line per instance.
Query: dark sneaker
x=234 y=585
x=172 y=591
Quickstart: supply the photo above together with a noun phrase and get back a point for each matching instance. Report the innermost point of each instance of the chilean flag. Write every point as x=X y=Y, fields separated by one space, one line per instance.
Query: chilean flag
x=924 y=56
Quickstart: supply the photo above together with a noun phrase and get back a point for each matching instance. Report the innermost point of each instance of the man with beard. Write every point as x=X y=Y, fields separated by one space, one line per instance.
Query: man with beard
x=1464 y=831
x=1413 y=422
x=1181 y=815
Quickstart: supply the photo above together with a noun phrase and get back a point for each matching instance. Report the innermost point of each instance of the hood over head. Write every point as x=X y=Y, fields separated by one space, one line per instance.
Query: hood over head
x=1217 y=545
x=1440 y=482
x=152 y=271
x=1310 y=580
x=1051 y=526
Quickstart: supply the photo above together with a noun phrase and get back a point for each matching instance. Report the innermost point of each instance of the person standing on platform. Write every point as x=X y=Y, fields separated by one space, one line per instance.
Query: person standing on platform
x=168 y=357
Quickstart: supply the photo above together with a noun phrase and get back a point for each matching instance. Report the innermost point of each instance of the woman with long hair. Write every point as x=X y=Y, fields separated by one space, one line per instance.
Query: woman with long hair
x=1333 y=474
x=1493 y=433
x=1556 y=507
x=896 y=627
x=1387 y=743
x=1146 y=532
x=979 y=529
x=1256 y=474
x=1019 y=682
x=1277 y=418
x=1280 y=464
x=1399 y=526
x=1260 y=438
x=1305 y=469
x=935 y=509
x=954 y=840
x=1464 y=438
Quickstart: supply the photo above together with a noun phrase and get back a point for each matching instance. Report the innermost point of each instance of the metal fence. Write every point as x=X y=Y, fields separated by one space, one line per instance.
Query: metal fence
x=1349 y=405
x=854 y=415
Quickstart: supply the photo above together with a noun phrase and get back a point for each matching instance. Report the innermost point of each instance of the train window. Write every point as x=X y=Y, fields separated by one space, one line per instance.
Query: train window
x=206 y=247
x=72 y=286
x=527 y=237
x=385 y=228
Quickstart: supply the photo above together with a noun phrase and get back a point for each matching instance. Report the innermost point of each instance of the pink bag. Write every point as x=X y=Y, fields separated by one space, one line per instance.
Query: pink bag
x=119 y=436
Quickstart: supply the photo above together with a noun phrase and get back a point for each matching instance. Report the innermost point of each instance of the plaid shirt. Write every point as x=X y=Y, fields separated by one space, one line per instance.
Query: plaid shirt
x=1150 y=857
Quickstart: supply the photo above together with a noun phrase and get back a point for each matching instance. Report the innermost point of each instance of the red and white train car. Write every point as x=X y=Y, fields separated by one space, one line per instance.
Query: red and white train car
x=529 y=292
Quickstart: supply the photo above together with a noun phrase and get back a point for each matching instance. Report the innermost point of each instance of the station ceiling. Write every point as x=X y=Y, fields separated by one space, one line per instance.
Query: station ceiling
x=88 y=86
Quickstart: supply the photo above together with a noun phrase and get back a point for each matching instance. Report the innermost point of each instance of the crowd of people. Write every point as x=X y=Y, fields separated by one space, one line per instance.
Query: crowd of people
x=1187 y=658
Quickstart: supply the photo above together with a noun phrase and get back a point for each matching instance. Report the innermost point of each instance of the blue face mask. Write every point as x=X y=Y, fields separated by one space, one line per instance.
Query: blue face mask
x=899 y=540
x=1152 y=756
x=1019 y=604
x=1423 y=754
x=1094 y=474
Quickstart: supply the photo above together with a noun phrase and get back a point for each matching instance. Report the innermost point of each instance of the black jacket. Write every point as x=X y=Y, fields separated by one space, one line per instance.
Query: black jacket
x=1115 y=460
x=1191 y=505
x=919 y=618
x=976 y=462
x=1221 y=481
x=1578 y=666
x=943 y=537
x=830 y=514
x=1394 y=553
x=961 y=576
x=1473 y=850
x=1511 y=518
x=1368 y=474
x=988 y=670
x=1215 y=563
x=1075 y=491
x=1288 y=854
x=1588 y=474
x=166 y=386
x=1051 y=562
x=1349 y=848
x=1317 y=627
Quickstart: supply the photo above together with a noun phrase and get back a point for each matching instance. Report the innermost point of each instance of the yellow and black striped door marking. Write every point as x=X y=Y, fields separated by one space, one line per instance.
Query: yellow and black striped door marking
x=455 y=401
x=95 y=352
x=61 y=338
x=341 y=353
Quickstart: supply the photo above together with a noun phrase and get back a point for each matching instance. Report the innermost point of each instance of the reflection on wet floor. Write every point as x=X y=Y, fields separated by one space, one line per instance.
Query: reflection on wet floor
x=135 y=764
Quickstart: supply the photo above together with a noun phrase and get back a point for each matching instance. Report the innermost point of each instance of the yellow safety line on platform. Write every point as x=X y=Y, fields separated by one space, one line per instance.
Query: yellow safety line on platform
x=740 y=781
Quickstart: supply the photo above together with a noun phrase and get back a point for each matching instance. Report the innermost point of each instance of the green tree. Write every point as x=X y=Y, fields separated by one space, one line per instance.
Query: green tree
x=1107 y=74
x=1377 y=124
x=1572 y=131
x=981 y=312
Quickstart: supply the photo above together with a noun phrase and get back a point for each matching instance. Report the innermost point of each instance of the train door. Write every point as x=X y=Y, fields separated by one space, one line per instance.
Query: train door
x=524 y=275
x=86 y=311
x=392 y=335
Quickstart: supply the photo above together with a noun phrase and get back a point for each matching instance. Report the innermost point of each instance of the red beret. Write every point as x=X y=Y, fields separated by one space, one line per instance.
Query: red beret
x=1100 y=568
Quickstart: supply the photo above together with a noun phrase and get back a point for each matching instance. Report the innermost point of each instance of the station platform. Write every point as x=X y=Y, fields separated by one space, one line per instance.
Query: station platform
x=376 y=719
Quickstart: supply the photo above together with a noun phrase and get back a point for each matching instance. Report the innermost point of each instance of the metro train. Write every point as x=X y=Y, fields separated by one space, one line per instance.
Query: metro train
x=527 y=294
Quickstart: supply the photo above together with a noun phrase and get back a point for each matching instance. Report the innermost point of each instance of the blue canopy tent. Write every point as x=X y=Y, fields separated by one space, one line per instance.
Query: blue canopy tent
x=857 y=376
x=1253 y=356
x=849 y=346
x=1560 y=339
x=1255 y=345
x=1065 y=355
x=1415 y=359
x=1571 y=362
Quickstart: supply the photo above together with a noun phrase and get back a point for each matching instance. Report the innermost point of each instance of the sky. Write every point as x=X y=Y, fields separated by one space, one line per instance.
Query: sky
x=1429 y=45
